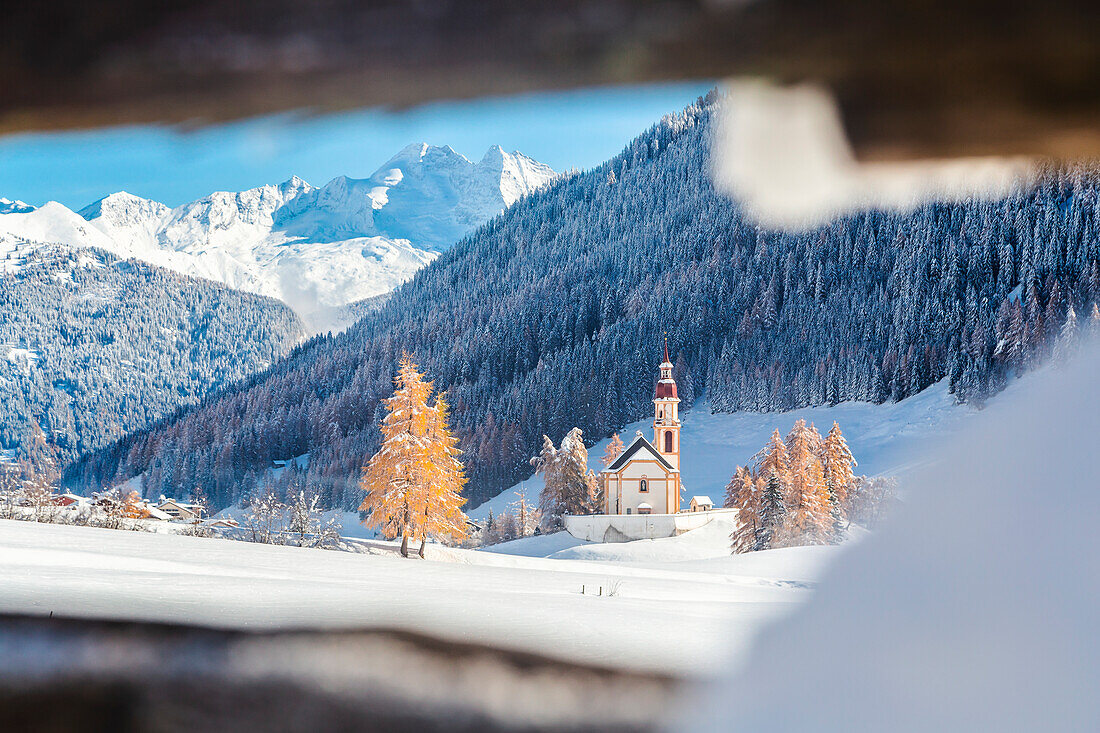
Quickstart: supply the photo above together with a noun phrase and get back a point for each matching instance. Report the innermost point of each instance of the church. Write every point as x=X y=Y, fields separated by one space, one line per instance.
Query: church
x=645 y=478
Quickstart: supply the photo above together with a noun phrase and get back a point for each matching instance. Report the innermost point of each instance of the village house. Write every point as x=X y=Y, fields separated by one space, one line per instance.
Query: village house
x=180 y=510
x=70 y=500
x=152 y=512
x=700 y=504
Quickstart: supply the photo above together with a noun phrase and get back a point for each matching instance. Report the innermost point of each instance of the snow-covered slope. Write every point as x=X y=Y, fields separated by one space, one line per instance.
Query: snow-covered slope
x=317 y=249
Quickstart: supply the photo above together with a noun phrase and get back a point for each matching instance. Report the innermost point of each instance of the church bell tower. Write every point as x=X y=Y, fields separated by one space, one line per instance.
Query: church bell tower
x=666 y=415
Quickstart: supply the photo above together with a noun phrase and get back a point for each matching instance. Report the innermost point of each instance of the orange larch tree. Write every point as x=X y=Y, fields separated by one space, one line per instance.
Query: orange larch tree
x=132 y=507
x=839 y=463
x=442 y=516
x=808 y=522
x=613 y=450
x=807 y=496
x=413 y=482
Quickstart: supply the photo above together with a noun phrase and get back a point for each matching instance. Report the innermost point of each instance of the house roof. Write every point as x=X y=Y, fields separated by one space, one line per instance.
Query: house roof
x=639 y=443
x=222 y=523
x=181 y=504
x=701 y=499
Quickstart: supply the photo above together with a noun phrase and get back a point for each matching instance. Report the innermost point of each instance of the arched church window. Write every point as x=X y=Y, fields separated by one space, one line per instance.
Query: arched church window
x=668 y=441
x=643 y=485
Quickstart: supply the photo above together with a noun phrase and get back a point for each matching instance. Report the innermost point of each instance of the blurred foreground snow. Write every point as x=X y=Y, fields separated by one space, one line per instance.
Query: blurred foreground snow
x=975 y=610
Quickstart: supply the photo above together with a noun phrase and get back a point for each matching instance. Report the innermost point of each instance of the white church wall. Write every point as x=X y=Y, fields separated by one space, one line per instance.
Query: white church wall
x=626 y=528
x=656 y=477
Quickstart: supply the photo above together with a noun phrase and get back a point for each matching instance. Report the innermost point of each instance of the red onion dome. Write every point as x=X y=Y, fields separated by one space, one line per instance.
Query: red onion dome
x=666 y=389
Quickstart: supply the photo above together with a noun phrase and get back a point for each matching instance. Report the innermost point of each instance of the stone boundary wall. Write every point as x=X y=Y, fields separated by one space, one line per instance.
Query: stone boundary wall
x=629 y=527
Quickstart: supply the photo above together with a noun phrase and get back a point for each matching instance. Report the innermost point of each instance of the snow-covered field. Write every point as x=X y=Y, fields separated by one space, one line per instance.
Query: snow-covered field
x=891 y=439
x=671 y=605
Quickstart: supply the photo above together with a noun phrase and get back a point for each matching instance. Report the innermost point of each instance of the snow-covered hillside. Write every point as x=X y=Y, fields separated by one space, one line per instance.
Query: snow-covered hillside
x=531 y=603
x=890 y=439
x=92 y=347
x=316 y=249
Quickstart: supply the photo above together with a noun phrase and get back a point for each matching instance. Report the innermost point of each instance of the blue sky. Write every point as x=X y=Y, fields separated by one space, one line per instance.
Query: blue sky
x=562 y=129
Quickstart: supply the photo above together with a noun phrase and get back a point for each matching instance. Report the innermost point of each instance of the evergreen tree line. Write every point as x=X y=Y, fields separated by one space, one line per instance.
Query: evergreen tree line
x=550 y=316
x=93 y=347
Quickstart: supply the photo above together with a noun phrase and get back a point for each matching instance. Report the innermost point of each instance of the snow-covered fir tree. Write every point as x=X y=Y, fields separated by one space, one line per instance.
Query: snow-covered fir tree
x=743 y=493
x=772 y=514
x=568 y=484
x=1066 y=345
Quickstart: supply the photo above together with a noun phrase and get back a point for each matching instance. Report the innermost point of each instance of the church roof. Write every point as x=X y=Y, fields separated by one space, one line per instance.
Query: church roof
x=639 y=443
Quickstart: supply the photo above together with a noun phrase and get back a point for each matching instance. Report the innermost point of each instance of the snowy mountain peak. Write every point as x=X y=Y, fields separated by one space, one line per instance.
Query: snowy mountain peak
x=433 y=195
x=412 y=151
x=519 y=175
x=9 y=206
x=316 y=249
x=123 y=209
